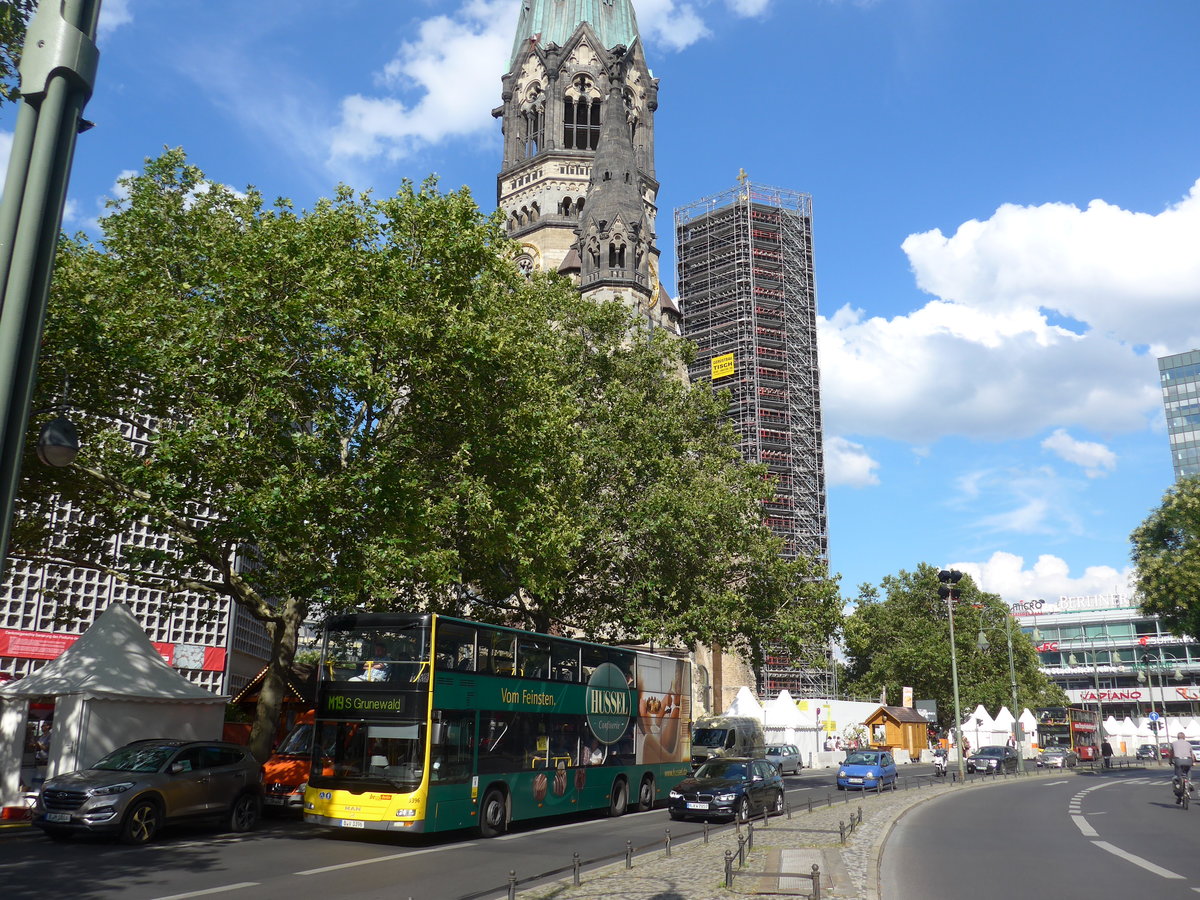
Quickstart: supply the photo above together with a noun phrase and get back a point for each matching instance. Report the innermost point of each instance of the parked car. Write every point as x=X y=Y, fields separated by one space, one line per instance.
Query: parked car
x=1164 y=750
x=1146 y=751
x=867 y=770
x=1060 y=758
x=993 y=760
x=728 y=787
x=135 y=790
x=785 y=758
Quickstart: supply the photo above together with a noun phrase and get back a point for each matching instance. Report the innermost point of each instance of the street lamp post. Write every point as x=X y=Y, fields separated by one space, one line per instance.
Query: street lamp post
x=1147 y=677
x=982 y=643
x=1072 y=661
x=948 y=592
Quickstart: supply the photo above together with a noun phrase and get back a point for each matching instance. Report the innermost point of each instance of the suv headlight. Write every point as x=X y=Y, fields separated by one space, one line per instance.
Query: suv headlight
x=727 y=797
x=111 y=789
x=675 y=795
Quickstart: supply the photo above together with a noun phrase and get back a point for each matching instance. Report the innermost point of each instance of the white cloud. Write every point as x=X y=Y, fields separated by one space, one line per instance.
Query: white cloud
x=1095 y=459
x=114 y=14
x=1035 y=501
x=1041 y=320
x=452 y=67
x=748 y=7
x=1130 y=274
x=848 y=463
x=1049 y=578
x=6 y=139
x=671 y=24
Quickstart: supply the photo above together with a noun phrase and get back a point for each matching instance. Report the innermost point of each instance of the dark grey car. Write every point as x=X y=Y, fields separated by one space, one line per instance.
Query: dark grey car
x=135 y=790
x=729 y=787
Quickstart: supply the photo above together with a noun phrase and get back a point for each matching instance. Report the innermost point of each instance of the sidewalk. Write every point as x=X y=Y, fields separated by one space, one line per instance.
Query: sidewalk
x=696 y=871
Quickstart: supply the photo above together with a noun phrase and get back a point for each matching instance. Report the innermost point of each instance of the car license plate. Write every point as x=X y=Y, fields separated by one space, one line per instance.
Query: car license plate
x=58 y=817
x=273 y=801
x=697 y=806
x=855 y=780
x=352 y=823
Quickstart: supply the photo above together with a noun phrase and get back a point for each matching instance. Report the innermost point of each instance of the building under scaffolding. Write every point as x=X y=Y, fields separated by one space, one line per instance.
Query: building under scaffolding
x=746 y=285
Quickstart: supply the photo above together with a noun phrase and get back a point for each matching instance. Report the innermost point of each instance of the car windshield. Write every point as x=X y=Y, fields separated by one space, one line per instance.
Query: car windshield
x=1054 y=751
x=862 y=759
x=991 y=751
x=776 y=751
x=138 y=758
x=299 y=742
x=722 y=768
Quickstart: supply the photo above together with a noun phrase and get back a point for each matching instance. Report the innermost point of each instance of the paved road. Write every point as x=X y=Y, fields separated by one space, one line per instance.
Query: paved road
x=1111 y=835
x=286 y=859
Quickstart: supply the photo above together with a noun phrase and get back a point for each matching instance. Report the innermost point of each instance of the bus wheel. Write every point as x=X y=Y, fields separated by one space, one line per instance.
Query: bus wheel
x=646 y=794
x=493 y=814
x=620 y=798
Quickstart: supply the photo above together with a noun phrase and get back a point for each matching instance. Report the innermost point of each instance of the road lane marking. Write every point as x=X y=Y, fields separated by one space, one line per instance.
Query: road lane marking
x=1052 y=783
x=1136 y=860
x=1085 y=829
x=217 y=890
x=374 y=859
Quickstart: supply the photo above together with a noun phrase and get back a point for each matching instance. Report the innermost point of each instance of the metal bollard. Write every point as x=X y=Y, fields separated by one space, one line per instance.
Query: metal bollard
x=749 y=835
x=575 y=867
x=741 y=850
x=765 y=816
x=668 y=843
x=512 y=884
x=629 y=854
x=842 y=831
x=706 y=831
x=810 y=804
x=816 y=881
x=728 y=868
x=787 y=807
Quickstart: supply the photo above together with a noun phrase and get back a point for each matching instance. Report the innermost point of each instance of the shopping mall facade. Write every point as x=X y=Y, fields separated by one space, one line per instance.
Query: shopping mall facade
x=1101 y=649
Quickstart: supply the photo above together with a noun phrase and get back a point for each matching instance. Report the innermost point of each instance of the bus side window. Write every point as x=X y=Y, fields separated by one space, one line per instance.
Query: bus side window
x=455 y=647
x=592 y=658
x=564 y=660
x=533 y=658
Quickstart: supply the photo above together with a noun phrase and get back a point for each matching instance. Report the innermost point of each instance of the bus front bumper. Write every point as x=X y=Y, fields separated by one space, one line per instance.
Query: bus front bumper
x=408 y=826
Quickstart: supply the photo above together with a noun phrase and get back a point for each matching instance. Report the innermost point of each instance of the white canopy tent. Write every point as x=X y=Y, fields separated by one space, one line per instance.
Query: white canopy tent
x=745 y=704
x=110 y=687
x=784 y=723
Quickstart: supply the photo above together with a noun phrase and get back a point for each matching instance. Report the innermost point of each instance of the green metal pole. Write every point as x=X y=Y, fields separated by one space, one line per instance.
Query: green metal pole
x=58 y=69
x=1018 y=735
x=962 y=763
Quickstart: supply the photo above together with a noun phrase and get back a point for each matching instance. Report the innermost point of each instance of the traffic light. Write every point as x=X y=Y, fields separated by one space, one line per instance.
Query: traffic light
x=949 y=578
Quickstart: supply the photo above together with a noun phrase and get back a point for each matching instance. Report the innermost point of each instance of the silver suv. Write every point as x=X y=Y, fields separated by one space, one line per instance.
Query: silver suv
x=134 y=791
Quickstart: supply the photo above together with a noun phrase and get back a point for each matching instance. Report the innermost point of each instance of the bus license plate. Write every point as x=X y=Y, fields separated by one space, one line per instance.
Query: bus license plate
x=697 y=806
x=352 y=823
x=58 y=817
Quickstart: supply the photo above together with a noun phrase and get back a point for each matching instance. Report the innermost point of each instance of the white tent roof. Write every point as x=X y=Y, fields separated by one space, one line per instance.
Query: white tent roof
x=1028 y=721
x=745 y=704
x=113 y=659
x=1004 y=719
x=985 y=719
x=782 y=712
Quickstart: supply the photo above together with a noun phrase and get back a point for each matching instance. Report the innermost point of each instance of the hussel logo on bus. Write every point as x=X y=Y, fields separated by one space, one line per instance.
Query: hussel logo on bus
x=607 y=703
x=613 y=703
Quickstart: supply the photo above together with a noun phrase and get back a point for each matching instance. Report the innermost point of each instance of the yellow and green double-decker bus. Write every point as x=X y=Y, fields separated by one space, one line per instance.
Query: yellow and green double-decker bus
x=431 y=723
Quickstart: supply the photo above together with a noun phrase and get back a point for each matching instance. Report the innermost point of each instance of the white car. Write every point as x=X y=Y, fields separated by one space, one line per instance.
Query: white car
x=785 y=758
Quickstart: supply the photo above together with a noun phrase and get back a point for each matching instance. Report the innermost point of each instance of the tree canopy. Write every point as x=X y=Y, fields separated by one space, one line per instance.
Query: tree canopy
x=367 y=406
x=903 y=640
x=1166 y=558
x=14 y=17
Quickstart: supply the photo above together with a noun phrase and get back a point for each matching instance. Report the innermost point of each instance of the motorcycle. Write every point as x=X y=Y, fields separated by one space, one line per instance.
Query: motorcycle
x=939 y=763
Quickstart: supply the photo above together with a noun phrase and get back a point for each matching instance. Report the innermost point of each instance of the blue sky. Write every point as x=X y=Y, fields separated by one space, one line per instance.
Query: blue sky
x=1006 y=217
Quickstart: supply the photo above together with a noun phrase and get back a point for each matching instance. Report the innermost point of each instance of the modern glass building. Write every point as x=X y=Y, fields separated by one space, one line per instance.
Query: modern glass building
x=1180 y=378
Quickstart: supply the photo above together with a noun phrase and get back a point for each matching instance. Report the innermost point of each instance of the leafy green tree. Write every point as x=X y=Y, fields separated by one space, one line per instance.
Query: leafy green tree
x=1166 y=558
x=903 y=639
x=14 y=17
x=367 y=406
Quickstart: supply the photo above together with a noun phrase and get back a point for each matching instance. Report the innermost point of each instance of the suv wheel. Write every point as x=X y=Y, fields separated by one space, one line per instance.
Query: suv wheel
x=141 y=822
x=243 y=816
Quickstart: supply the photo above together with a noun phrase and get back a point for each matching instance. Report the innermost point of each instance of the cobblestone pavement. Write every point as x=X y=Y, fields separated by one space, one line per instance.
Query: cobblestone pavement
x=696 y=871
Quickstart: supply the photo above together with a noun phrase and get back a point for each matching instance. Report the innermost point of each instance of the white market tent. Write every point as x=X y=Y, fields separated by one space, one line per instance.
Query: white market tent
x=784 y=723
x=109 y=688
x=745 y=704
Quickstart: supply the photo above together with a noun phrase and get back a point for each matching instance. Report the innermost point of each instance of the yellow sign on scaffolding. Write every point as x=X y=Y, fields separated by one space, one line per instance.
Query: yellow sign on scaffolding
x=722 y=366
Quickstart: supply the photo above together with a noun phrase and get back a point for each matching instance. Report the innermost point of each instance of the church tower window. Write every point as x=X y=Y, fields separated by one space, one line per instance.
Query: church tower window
x=581 y=115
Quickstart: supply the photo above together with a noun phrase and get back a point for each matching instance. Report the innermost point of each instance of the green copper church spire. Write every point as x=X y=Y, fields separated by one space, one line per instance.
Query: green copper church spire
x=554 y=21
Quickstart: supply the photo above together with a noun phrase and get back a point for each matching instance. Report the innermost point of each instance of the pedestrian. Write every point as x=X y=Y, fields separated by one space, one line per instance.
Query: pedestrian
x=1106 y=751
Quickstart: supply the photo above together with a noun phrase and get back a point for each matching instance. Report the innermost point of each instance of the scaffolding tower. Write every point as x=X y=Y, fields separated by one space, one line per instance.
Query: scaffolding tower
x=747 y=290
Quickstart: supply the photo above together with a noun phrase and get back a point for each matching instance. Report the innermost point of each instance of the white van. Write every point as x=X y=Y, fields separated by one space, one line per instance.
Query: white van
x=727 y=736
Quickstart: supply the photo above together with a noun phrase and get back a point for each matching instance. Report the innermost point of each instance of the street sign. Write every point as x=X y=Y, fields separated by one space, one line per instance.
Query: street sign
x=1153 y=717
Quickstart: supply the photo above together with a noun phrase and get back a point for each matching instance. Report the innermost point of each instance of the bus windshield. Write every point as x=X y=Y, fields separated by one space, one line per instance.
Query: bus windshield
x=393 y=753
x=396 y=654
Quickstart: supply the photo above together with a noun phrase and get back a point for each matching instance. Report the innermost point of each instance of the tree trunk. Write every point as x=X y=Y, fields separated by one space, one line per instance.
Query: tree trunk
x=283 y=633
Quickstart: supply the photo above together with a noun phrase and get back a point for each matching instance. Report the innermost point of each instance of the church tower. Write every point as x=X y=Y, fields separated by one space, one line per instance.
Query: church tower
x=577 y=181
